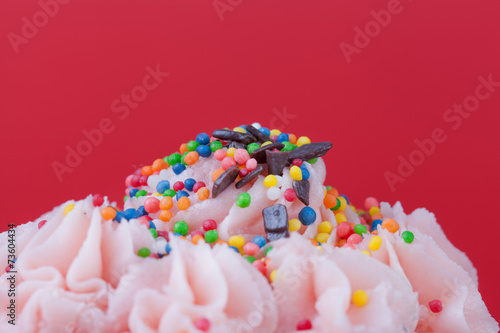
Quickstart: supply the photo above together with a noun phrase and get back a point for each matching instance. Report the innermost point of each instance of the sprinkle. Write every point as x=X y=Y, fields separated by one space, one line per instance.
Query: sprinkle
x=165 y=215
x=295 y=173
x=337 y=206
x=191 y=158
x=183 y=148
x=141 y=193
x=197 y=186
x=191 y=145
x=68 y=208
x=272 y=276
x=203 y=193
x=204 y=151
x=159 y=164
x=237 y=241
x=294 y=225
x=195 y=239
x=211 y=236
x=251 y=164
x=344 y=230
x=273 y=193
x=251 y=147
x=129 y=214
x=340 y=217
x=144 y=252
x=147 y=170
x=391 y=225
x=322 y=237
x=183 y=203
x=241 y=156
x=244 y=200
x=162 y=186
x=230 y=152
x=303 y=140
x=304 y=325
x=375 y=224
x=360 y=297
x=373 y=210
x=354 y=239
x=325 y=227
x=251 y=259
x=366 y=252
x=203 y=139
x=251 y=249
x=108 y=213
x=209 y=225
x=371 y=202
x=360 y=229
x=216 y=174
x=307 y=215
x=152 y=205
x=97 y=200
x=215 y=146
x=203 y=324
x=290 y=195
x=42 y=222
x=181 y=194
x=407 y=236
x=220 y=154
x=270 y=181
x=329 y=201
x=178 y=168
x=375 y=243
x=436 y=306
x=253 y=174
x=153 y=232
x=166 y=203
x=259 y=240
x=181 y=227
x=174 y=158
x=343 y=203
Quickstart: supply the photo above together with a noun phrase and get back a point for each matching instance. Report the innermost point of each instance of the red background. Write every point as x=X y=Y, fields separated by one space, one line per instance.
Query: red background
x=263 y=56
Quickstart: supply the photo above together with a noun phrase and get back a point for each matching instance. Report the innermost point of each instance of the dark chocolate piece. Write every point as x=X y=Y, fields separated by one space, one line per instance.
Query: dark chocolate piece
x=228 y=135
x=258 y=134
x=309 y=151
x=276 y=161
x=235 y=144
x=254 y=173
x=301 y=188
x=275 y=222
x=224 y=180
x=260 y=153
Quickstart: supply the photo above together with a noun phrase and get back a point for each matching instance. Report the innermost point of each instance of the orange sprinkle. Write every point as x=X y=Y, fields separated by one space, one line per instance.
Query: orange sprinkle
x=108 y=213
x=314 y=242
x=330 y=201
x=183 y=237
x=375 y=232
x=203 y=193
x=377 y=216
x=183 y=203
x=391 y=225
x=217 y=173
x=220 y=241
x=183 y=148
x=191 y=158
x=196 y=238
x=333 y=191
x=166 y=203
x=292 y=139
x=147 y=170
x=165 y=215
x=341 y=242
x=159 y=164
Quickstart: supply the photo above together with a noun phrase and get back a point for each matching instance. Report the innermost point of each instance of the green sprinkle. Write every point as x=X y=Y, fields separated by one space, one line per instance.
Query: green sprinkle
x=144 y=252
x=251 y=147
x=268 y=250
x=211 y=236
x=360 y=229
x=243 y=200
x=329 y=187
x=174 y=158
x=125 y=198
x=153 y=232
x=314 y=160
x=191 y=145
x=181 y=227
x=288 y=146
x=250 y=259
x=169 y=193
x=183 y=156
x=294 y=146
x=141 y=193
x=216 y=145
x=407 y=236
x=337 y=206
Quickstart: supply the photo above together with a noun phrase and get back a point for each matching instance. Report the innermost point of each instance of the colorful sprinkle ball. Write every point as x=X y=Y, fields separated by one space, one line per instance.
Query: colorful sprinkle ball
x=436 y=306
x=360 y=298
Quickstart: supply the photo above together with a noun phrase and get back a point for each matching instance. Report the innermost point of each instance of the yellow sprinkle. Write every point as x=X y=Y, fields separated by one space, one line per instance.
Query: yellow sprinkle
x=367 y=253
x=236 y=241
x=325 y=227
x=324 y=192
x=303 y=140
x=353 y=208
x=230 y=152
x=340 y=217
x=374 y=210
x=360 y=297
x=295 y=173
x=322 y=237
x=239 y=129
x=68 y=208
x=266 y=143
x=320 y=248
x=272 y=276
x=343 y=203
x=294 y=225
x=275 y=132
x=270 y=181
x=375 y=243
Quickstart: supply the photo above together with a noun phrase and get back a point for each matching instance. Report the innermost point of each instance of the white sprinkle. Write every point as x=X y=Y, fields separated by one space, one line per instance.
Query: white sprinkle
x=280 y=181
x=161 y=243
x=256 y=125
x=273 y=193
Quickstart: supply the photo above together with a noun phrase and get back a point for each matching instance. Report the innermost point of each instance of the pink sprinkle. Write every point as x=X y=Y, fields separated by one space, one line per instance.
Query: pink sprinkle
x=344 y=230
x=152 y=205
x=436 y=306
x=144 y=180
x=251 y=249
x=228 y=162
x=243 y=173
x=220 y=154
x=41 y=224
x=349 y=246
x=259 y=264
x=241 y=156
x=127 y=191
x=163 y=234
x=290 y=195
x=371 y=202
x=354 y=239
x=98 y=200
x=144 y=221
x=203 y=324
x=136 y=181
x=298 y=162
x=251 y=164
x=209 y=225
x=138 y=172
x=178 y=185
x=128 y=180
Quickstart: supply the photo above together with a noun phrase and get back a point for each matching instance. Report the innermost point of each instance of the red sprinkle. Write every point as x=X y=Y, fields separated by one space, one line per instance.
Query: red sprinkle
x=304 y=324
x=163 y=234
x=436 y=306
x=136 y=181
x=178 y=186
x=259 y=264
x=98 y=200
x=209 y=225
x=197 y=186
x=243 y=172
x=298 y=162
x=290 y=194
x=344 y=230
x=144 y=180
x=354 y=239
x=197 y=232
x=41 y=224
x=203 y=324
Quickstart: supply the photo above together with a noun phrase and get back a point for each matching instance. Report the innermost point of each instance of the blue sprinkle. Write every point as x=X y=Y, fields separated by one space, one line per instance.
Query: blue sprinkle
x=265 y=130
x=307 y=215
x=347 y=200
x=130 y=213
x=235 y=249
x=162 y=186
x=189 y=183
x=204 y=151
x=259 y=240
x=141 y=211
x=282 y=137
x=168 y=248
x=180 y=194
x=376 y=223
x=305 y=173
x=177 y=234
x=152 y=225
x=133 y=192
x=203 y=139
x=118 y=217
x=178 y=168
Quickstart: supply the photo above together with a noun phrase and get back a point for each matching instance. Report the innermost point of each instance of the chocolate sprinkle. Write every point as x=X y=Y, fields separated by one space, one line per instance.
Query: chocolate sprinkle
x=301 y=188
x=228 y=135
x=254 y=173
x=260 y=153
x=258 y=134
x=276 y=161
x=275 y=222
x=312 y=150
x=224 y=180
